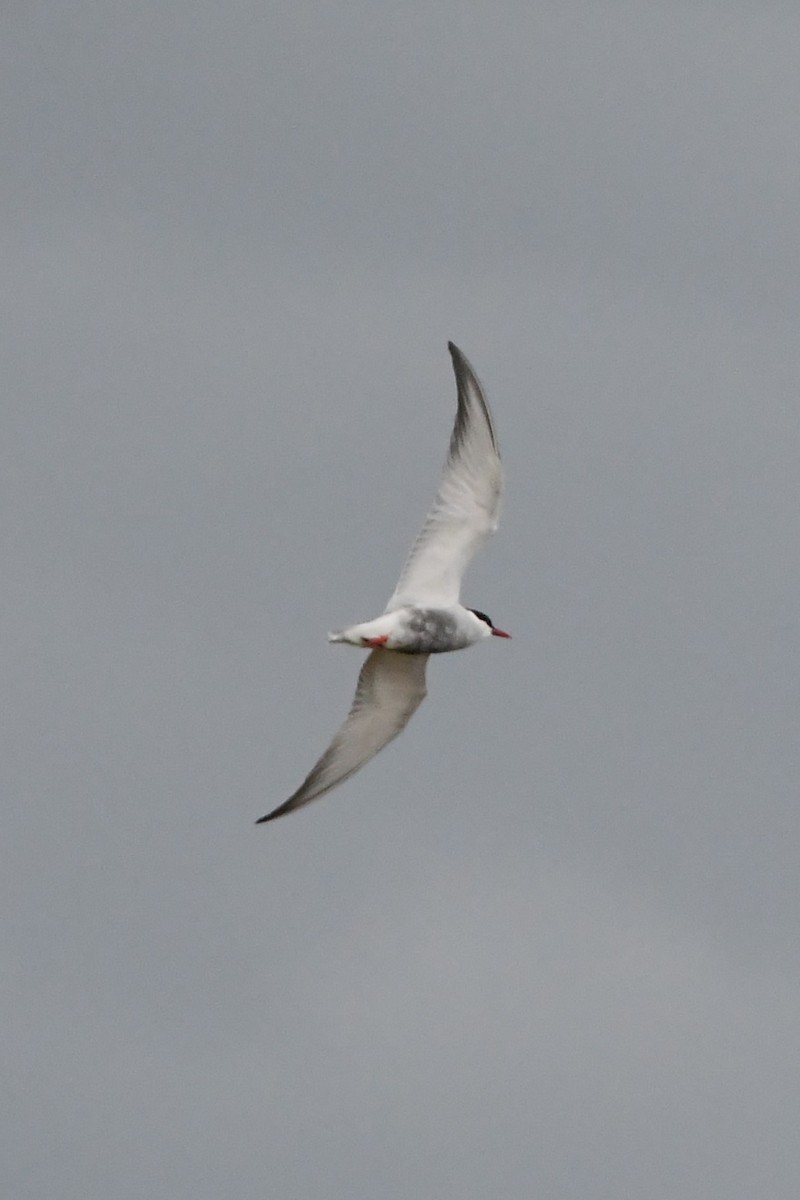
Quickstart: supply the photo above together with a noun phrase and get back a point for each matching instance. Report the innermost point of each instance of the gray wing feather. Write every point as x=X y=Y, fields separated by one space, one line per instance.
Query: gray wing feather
x=390 y=689
x=467 y=505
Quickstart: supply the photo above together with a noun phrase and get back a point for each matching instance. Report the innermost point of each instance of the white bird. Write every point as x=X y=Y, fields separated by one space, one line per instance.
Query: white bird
x=423 y=616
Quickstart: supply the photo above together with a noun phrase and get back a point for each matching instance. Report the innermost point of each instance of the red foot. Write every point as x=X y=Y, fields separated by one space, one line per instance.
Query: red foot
x=374 y=643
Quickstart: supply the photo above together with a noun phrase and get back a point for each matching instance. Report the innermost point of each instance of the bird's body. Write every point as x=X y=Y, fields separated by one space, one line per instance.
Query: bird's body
x=415 y=630
x=424 y=615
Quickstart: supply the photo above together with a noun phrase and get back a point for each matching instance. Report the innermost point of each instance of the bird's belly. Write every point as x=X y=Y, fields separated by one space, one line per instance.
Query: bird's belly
x=430 y=631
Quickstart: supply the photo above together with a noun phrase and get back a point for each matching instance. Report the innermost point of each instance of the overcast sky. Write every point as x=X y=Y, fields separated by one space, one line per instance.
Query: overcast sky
x=547 y=944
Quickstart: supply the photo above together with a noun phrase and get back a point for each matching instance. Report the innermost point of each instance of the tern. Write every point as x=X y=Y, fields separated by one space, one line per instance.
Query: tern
x=423 y=616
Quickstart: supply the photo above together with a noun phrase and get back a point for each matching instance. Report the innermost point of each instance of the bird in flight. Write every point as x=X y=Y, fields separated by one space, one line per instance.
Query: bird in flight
x=423 y=616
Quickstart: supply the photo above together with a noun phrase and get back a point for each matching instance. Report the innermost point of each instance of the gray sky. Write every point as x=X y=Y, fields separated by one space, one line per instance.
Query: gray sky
x=547 y=944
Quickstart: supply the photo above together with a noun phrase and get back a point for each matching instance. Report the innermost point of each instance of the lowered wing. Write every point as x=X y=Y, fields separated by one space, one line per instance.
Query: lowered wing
x=390 y=689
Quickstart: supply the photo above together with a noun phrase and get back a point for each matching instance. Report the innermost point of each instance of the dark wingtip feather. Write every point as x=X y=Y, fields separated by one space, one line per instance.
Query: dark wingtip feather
x=278 y=812
x=465 y=375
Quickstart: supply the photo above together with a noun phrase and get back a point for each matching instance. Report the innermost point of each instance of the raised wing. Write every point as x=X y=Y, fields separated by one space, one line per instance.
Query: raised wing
x=467 y=505
x=390 y=689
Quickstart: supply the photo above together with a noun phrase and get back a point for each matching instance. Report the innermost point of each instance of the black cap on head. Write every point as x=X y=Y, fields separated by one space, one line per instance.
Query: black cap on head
x=481 y=616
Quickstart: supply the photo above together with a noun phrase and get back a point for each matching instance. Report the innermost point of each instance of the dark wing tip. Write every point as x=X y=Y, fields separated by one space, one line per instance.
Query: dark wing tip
x=468 y=384
x=460 y=360
x=276 y=812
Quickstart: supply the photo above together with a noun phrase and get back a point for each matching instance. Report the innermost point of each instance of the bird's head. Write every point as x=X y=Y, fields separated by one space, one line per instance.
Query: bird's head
x=493 y=630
